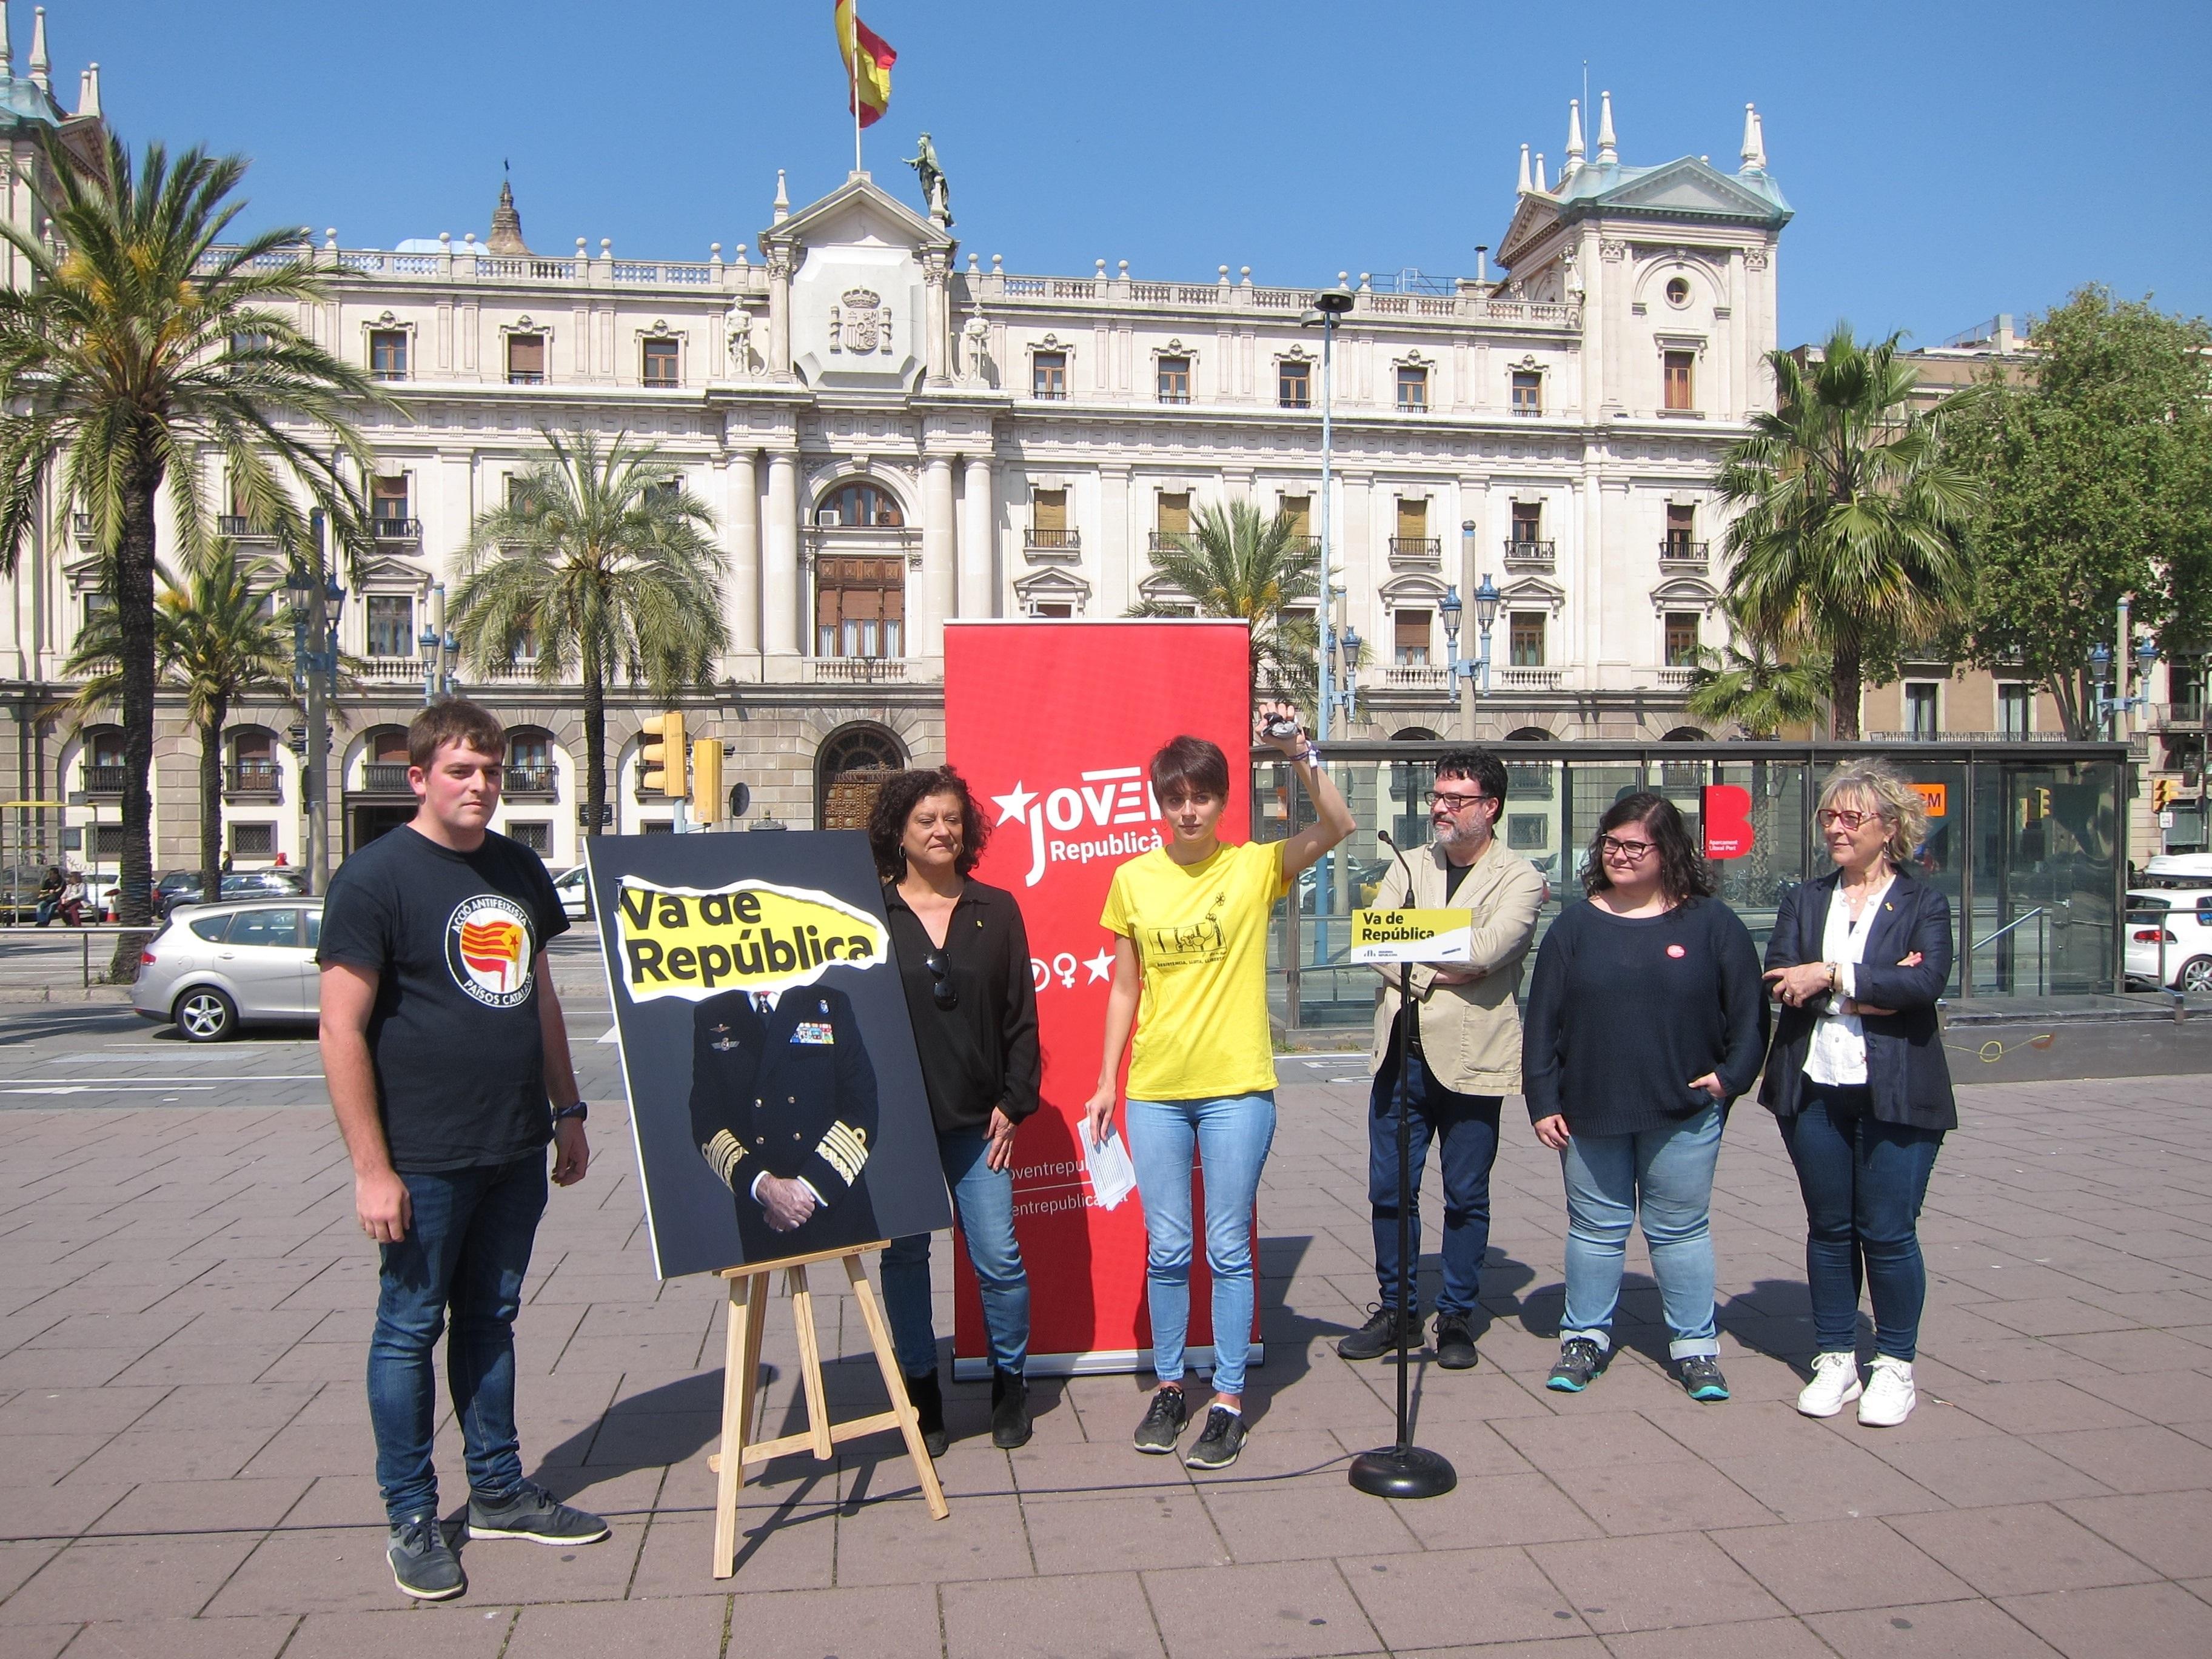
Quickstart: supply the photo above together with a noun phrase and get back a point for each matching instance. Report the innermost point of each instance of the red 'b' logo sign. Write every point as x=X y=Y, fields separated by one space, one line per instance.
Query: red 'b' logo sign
x=1726 y=809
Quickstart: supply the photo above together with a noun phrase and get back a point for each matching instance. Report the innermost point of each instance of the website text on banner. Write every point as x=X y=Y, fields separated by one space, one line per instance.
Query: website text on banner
x=1052 y=723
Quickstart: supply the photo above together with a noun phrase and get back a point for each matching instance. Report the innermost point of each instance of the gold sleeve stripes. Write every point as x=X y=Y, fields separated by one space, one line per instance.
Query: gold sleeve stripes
x=845 y=1148
x=723 y=1152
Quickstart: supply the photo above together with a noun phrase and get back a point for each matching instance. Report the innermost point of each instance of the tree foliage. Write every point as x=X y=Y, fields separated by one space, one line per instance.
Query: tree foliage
x=1849 y=516
x=1237 y=561
x=2096 y=473
x=598 y=567
x=1757 y=685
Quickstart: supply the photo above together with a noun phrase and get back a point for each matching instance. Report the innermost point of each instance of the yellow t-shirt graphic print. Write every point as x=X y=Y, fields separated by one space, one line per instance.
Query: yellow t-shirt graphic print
x=1201 y=937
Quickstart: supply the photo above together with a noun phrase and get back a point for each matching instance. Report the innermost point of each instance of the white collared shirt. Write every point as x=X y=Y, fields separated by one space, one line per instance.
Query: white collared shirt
x=1838 y=1055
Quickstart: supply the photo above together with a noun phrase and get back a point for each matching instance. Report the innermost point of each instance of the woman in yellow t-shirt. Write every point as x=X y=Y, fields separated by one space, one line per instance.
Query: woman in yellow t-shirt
x=1190 y=974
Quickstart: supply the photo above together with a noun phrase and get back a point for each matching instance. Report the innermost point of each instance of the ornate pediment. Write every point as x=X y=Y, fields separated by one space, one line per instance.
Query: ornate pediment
x=1530 y=591
x=1693 y=189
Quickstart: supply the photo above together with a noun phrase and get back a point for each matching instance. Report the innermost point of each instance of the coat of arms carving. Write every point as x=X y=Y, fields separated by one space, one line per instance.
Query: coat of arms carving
x=861 y=323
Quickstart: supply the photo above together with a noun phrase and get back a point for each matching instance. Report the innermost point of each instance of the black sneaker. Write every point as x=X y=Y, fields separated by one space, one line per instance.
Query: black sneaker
x=535 y=1514
x=1219 y=1441
x=1164 y=1422
x=1010 y=1410
x=423 y=1563
x=1456 y=1342
x=1379 y=1335
x=1580 y=1360
x=1701 y=1376
x=929 y=1406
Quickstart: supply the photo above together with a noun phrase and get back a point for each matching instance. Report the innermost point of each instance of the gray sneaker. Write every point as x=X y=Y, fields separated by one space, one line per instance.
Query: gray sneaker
x=533 y=1513
x=1164 y=1422
x=423 y=1565
x=1219 y=1441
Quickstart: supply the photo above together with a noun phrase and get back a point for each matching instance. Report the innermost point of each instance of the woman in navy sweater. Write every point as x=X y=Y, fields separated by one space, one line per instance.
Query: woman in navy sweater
x=1858 y=1081
x=1645 y=1019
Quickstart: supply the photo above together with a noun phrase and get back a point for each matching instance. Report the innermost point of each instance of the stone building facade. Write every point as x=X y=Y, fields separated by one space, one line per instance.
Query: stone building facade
x=891 y=432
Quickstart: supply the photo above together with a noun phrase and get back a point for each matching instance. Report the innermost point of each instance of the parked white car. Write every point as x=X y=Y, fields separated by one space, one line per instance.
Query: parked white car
x=2179 y=921
x=216 y=967
x=574 y=887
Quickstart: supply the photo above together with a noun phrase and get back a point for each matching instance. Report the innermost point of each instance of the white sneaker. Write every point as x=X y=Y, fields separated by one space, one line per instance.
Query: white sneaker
x=1835 y=1384
x=1890 y=1396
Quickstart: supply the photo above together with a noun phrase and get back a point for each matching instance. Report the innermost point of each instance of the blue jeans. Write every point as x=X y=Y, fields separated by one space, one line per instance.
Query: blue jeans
x=467 y=1247
x=1229 y=1135
x=985 y=1199
x=1670 y=1170
x=1467 y=1126
x=1863 y=1181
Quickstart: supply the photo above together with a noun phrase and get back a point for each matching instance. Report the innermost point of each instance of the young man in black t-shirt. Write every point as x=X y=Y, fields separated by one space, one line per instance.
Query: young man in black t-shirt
x=449 y=1070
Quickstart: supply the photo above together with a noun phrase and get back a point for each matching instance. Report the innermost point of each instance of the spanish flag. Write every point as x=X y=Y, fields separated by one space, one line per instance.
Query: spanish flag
x=868 y=60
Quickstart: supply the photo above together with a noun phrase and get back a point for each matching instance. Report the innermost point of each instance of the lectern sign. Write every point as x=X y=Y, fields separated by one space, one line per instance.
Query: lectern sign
x=1412 y=935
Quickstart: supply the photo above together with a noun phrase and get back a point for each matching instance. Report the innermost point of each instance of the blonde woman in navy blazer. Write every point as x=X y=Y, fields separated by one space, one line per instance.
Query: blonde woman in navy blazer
x=1857 y=1080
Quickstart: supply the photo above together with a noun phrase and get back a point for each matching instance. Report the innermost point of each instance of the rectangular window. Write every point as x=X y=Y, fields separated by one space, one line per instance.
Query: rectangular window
x=387 y=353
x=1528 y=523
x=390 y=625
x=1413 y=519
x=1294 y=384
x=1525 y=643
x=1175 y=379
x=388 y=505
x=108 y=840
x=97 y=606
x=1298 y=510
x=1048 y=510
x=1678 y=388
x=1413 y=386
x=538 y=836
x=661 y=363
x=2016 y=712
x=1174 y=512
x=1681 y=530
x=1062 y=610
x=1920 y=710
x=254 y=840
x=860 y=608
x=525 y=360
x=1528 y=391
x=1681 y=638
x=1411 y=629
x=1048 y=375
x=1528 y=831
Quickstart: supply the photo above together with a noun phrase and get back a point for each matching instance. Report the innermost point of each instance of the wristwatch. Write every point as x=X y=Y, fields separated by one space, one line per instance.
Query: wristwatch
x=580 y=1111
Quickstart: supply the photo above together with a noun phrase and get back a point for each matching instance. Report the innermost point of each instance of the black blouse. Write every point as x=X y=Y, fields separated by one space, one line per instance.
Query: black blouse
x=982 y=1052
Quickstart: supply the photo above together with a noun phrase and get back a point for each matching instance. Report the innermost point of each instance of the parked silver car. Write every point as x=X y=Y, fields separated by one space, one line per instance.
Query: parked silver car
x=216 y=967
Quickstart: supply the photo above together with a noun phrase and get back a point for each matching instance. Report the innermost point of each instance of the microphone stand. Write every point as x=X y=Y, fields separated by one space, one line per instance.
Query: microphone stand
x=1403 y=1470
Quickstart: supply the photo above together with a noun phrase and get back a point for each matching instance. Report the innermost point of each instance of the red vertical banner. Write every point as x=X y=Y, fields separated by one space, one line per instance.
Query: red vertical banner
x=1052 y=723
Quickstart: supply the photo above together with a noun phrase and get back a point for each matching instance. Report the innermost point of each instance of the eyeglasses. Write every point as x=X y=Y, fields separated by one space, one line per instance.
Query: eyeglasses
x=1632 y=851
x=940 y=980
x=1457 y=803
x=1827 y=816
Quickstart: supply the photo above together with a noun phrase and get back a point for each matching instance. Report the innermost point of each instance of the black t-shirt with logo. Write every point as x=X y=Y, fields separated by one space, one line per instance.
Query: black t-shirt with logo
x=453 y=938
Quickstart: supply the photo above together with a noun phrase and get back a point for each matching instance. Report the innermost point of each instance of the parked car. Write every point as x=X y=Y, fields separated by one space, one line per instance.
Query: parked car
x=2178 y=922
x=238 y=885
x=216 y=967
x=574 y=887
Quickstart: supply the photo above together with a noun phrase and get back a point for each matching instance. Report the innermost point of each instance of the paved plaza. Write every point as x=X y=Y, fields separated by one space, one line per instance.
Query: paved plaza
x=186 y=1455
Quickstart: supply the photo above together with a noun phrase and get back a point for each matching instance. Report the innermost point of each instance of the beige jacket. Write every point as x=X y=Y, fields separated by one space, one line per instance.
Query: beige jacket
x=1470 y=1034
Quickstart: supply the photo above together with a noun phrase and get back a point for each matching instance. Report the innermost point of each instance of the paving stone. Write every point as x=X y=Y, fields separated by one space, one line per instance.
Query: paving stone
x=1100 y=1615
x=1281 y=1611
x=465 y=1629
x=186 y=1638
x=2019 y=1549
x=2144 y=1621
x=1460 y=1597
x=674 y=1627
x=1829 y=1566
x=2170 y=1532
x=161 y=1578
x=1944 y=1630
x=1619 y=1585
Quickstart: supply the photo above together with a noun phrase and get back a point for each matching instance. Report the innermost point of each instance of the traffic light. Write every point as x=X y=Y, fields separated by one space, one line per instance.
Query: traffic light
x=661 y=761
x=706 y=780
x=2035 y=805
x=2161 y=794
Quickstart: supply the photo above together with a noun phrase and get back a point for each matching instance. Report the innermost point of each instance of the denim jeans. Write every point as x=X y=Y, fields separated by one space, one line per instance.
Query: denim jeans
x=984 y=1197
x=1230 y=1135
x=1668 y=1173
x=467 y=1247
x=1863 y=1181
x=1466 y=1125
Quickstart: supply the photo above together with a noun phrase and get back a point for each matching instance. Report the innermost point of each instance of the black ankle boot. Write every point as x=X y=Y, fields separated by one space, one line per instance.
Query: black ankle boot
x=1010 y=1410
x=929 y=1406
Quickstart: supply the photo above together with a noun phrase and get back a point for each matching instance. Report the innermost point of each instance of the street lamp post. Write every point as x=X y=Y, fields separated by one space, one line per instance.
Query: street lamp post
x=1485 y=613
x=317 y=602
x=2109 y=706
x=1466 y=671
x=1328 y=306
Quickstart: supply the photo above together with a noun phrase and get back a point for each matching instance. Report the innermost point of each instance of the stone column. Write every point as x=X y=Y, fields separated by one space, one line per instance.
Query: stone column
x=978 y=581
x=741 y=596
x=938 y=588
x=936 y=320
x=779 y=313
x=779 y=585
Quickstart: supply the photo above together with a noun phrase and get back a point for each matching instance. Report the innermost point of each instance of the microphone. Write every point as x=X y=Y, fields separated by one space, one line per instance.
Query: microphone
x=1383 y=835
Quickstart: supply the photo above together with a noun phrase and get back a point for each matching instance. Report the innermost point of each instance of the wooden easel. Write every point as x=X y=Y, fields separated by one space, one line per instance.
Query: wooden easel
x=749 y=1297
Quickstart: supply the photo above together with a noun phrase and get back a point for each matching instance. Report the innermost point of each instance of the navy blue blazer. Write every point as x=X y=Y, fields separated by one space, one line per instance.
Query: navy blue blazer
x=1906 y=1073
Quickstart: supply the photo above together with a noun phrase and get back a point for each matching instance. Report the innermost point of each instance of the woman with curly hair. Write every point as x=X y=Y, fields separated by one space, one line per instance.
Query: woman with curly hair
x=1645 y=1019
x=1858 y=1081
x=963 y=958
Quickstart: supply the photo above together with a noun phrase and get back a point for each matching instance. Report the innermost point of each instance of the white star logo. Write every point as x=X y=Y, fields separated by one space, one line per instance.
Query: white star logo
x=1101 y=966
x=1014 y=807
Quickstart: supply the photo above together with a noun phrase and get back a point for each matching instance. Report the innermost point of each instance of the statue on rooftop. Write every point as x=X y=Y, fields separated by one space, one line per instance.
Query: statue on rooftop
x=934 y=191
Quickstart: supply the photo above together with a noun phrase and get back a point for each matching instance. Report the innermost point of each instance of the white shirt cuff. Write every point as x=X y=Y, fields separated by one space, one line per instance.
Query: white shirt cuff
x=1847 y=976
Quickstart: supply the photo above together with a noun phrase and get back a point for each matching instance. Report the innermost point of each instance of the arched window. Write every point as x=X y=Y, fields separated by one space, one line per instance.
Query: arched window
x=1688 y=734
x=103 y=761
x=859 y=505
x=1529 y=734
x=859 y=607
x=850 y=767
x=1413 y=734
x=252 y=762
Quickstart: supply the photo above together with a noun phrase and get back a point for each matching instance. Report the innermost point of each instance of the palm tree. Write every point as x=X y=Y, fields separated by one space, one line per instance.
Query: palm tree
x=1848 y=533
x=600 y=562
x=1750 y=684
x=1236 y=563
x=218 y=640
x=137 y=345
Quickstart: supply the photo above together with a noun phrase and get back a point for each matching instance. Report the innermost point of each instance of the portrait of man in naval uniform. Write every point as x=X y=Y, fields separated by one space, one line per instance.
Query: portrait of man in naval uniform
x=784 y=1111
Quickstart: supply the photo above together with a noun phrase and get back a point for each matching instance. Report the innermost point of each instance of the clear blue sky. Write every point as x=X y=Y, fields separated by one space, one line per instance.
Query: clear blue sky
x=1947 y=158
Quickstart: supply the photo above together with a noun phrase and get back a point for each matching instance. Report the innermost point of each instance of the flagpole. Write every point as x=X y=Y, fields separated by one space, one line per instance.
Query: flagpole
x=856 y=89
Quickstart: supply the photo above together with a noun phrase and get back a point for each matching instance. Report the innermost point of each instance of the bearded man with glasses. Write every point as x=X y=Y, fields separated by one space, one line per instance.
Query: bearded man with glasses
x=1464 y=1056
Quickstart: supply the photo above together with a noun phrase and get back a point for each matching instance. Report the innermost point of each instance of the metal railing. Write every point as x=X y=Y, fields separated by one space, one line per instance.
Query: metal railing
x=1529 y=552
x=384 y=778
x=396 y=530
x=86 y=931
x=103 y=780
x=258 y=779
x=1166 y=541
x=537 y=782
x=1052 y=541
x=1678 y=552
x=1417 y=547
